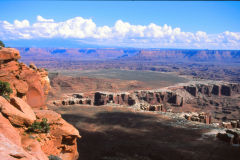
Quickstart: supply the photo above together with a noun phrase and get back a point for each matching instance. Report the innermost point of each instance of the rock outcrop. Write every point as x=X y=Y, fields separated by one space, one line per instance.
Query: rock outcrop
x=224 y=89
x=29 y=83
x=102 y=98
x=230 y=136
x=146 y=100
x=9 y=54
x=159 y=97
x=199 y=117
x=231 y=124
x=18 y=116
x=62 y=138
x=73 y=99
x=24 y=108
x=15 y=115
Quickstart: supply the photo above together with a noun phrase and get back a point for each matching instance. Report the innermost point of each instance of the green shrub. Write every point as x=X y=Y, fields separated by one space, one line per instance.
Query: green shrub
x=2 y=44
x=5 y=90
x=52 y=157
x=39 y=127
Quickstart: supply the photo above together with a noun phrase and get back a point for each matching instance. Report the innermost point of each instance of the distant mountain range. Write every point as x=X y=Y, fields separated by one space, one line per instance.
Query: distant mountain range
x=131 y=54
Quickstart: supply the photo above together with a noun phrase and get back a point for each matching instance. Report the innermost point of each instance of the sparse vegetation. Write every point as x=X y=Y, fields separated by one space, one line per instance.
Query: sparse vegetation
x=39 y=127
x=1 y=44
x=52 y=157
x=5 y=90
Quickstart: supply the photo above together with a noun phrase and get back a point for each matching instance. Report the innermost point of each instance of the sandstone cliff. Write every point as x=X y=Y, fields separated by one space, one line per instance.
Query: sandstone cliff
x=26 y=108
x=29 y=83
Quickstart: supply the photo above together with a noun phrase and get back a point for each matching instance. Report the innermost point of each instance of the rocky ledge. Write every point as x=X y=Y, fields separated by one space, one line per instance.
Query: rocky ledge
x=28 y=130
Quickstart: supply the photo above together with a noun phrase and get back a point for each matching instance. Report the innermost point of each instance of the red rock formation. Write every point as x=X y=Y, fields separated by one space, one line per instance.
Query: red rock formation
x=192 y=90
x=231 y=136
x=16 y=116
x=199 y=117
x=30 y=84
x=9 y=54
x=150 y=97
x=62 y=138
x=9 y=131
x=119 y=98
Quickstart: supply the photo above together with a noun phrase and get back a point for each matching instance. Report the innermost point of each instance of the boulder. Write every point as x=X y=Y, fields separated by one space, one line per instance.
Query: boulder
x=23 y=106
x=11 y=151
x=230 y=136
x=14 y=115
x=225 y=137
x=227 y=125
x=9 y=131
x=234 y=124
x=21 y=87
x=33 y=66
x=8 y=54
x=62 y=138
x=236 y=134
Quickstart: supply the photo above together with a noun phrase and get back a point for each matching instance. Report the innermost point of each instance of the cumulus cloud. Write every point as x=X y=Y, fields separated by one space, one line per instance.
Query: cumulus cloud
x=41 y=19
x=120 y=34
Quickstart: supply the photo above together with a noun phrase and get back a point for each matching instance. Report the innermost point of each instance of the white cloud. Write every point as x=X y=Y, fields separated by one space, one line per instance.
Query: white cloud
x=21 y=24
x=41 y=19
x=120 y=34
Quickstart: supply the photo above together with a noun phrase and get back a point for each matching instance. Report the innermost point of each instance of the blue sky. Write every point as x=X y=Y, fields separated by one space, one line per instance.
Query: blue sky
x=182 y=24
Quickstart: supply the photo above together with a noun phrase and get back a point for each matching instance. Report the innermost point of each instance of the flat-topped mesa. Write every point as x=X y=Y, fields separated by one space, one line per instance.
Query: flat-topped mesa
x=29 y=83
x=221 y=89
x=138 y=97
x=160 y=97
x=101 y=98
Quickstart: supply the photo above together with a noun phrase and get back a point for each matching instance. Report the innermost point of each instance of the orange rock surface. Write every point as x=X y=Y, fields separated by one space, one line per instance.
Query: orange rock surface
x=30 y=87
x=28 y=83
x=7 y=54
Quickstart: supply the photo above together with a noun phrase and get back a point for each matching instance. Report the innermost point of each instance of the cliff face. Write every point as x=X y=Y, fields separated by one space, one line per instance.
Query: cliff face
x=138 y=97
x=29 y=83
x=217 y=98
x=213 y=89
x=26 y=105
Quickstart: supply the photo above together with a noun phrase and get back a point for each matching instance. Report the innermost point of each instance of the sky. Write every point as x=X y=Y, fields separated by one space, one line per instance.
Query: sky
x=141 y=24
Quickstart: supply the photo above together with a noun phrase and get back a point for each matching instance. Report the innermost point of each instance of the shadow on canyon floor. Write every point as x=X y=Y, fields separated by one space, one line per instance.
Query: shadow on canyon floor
x=141 y=136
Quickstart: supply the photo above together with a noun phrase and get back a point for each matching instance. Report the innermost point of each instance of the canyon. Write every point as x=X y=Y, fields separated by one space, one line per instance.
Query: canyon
x=117 y=103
